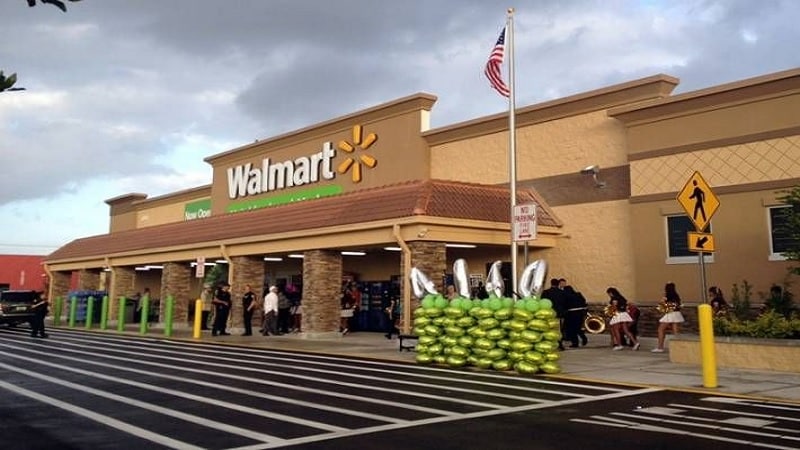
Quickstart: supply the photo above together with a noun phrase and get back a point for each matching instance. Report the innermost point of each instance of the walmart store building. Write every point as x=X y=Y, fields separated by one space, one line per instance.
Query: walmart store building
x=382 y=183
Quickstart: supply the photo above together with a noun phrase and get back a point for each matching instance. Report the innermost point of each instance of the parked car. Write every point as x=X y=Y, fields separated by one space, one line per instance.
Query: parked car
x=15 y=306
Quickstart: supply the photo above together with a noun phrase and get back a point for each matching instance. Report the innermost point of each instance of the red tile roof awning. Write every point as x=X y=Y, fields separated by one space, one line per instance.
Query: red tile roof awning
x=436 y=198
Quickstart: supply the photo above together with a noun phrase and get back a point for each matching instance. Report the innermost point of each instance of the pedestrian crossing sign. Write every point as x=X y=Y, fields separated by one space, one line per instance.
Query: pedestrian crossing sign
x=698 y=201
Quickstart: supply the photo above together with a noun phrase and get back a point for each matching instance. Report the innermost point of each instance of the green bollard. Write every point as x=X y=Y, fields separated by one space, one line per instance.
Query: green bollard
x=104 y=313
x=57 y=312
x=169 y=311
x=73 y=310
x=145 y=313
x=89 y=312
x=121 y=315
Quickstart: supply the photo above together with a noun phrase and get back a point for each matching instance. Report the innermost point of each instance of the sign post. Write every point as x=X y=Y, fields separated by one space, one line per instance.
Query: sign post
x=700 y=204
x=200 y=267
x=524 y=222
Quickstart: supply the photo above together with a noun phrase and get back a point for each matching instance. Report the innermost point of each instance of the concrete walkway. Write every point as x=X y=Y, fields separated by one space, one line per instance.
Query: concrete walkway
x=594 y=362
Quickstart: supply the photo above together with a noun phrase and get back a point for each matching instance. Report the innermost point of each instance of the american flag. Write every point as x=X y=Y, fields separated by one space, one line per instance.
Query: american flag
x=492 y=69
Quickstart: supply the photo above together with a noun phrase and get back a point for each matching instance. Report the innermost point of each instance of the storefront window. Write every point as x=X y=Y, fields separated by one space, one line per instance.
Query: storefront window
x=677 y=242
x=780 y=240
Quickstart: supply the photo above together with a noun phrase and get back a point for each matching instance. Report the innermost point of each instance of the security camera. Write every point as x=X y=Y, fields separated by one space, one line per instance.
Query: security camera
x=591 y=170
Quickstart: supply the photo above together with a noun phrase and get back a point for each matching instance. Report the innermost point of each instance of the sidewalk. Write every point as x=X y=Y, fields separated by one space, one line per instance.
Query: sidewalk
x=595 y=362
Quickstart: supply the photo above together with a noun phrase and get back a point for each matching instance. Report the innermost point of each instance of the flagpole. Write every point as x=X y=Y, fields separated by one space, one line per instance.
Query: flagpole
x=512 y=146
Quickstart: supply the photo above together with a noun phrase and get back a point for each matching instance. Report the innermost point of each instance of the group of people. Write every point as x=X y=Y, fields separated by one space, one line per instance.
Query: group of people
x=280 y=315
x=570 y=307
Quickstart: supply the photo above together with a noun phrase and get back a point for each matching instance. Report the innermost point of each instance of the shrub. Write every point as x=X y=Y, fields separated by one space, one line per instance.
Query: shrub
x=740 y=300
x=768 y=325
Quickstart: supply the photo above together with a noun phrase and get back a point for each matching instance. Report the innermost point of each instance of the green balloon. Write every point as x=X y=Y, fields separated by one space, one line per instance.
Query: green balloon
x=508 y=302
x=440 y=302
x=545 y=304
x=532 y=305
x=428 y=302
x=495 y=304
x=466 y=304
x=455 y=303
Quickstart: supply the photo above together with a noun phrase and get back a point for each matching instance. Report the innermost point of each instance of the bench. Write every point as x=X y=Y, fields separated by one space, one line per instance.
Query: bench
x=408 y=346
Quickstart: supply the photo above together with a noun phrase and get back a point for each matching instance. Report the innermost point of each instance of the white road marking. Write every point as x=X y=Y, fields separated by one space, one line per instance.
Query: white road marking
x=434 y=411
x=486 y=413
x=193 y=397
x=249 y=392
x=254 y=435
x=313 y=358
x=262 y=372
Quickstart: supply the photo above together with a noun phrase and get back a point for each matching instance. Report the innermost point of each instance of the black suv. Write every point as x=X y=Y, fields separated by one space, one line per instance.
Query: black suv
x=15 y=306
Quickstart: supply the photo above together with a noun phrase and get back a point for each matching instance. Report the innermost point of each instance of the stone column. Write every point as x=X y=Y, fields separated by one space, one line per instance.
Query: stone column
x=322 y=282
x=431 y=259
x=176 y=280
x=122 y=284
x=59 y=287
x=246 y=270
x=88 y=280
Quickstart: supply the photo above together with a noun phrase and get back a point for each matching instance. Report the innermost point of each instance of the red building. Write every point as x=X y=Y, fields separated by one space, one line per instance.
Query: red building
x=22 y=272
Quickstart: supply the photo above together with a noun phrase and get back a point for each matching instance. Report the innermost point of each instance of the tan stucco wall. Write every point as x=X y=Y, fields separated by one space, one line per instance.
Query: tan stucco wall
x=550 y=148
x=752 y=162
x=716 y=122
x=160 y=215
x=741 y=233
x=596 y=251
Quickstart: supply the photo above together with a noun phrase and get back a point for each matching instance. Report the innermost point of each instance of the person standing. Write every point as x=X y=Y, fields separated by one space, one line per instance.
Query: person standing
x=207 y=298
x=39 y=308
x=392 y=313
x=719 y=307
x=573 y=318
x=284 y=306
x=556 y=296
x=270 y=312
x=670 y=307
x=222 y=307
x=249 y=306
x=620 y=320
x=297 y=316
x=450 y=293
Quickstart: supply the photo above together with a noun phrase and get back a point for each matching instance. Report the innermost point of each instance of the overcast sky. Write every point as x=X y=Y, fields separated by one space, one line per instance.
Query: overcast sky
x=130 y=95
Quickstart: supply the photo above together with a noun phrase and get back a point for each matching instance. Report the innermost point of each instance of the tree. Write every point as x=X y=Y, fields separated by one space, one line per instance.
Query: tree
x=791 y=226
x=57 y=3
x=7 y=83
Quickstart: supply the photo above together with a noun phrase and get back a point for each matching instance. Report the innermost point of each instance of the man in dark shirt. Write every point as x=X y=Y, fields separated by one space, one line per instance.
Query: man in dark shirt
x=248 y=308
x=556 y=296
x=39 y=308
x=222 y=304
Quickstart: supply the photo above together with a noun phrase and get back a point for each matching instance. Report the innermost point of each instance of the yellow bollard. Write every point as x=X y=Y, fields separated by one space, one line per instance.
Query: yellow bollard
x=707 y=352
x=198 y=318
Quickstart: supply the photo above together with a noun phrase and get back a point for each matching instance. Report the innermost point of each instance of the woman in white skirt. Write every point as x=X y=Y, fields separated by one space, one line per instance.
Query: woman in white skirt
x=620 y=320
x=670 y=307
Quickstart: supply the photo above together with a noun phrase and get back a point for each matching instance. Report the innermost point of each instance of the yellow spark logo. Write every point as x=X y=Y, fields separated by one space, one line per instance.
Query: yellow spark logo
x=362 y=142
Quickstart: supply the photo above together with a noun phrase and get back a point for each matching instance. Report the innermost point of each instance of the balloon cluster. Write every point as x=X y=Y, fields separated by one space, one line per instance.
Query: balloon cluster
x=493 y=333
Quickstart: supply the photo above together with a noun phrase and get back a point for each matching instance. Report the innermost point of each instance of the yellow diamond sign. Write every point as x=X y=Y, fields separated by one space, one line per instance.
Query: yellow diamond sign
x=698 y=201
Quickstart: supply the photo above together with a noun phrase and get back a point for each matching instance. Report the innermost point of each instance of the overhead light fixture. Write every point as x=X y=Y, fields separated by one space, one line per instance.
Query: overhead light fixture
x=141 y=269
x=296 y=255
x=393 y=249
x=353 y=253
x=194 y=264
x=155 y=267
x=460 y=245
x=221 y=261
x=594 y=170
x=272 y=258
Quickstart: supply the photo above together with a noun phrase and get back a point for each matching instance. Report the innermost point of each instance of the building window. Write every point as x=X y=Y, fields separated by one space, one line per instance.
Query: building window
x=678 y=243
x=779 y=239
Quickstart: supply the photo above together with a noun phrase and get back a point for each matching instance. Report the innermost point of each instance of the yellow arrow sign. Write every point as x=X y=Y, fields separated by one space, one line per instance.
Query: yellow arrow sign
x=698 y=201
x=701 y=242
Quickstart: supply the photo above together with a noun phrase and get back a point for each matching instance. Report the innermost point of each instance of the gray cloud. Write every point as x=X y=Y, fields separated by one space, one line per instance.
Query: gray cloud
x=120 y=90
